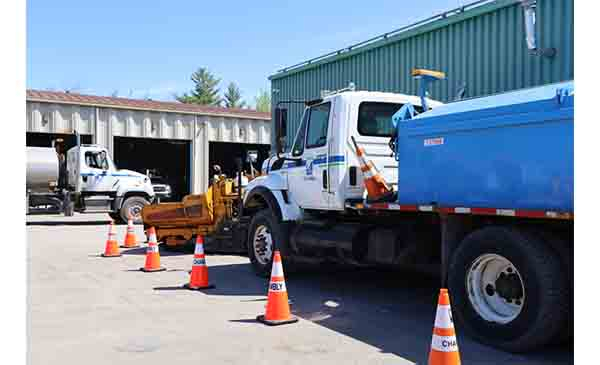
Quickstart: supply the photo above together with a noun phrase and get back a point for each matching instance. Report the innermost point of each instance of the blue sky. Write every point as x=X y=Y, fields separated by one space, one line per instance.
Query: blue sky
x=150 y=48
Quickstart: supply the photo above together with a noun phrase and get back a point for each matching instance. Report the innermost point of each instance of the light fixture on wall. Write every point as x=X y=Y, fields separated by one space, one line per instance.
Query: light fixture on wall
x=529 y=13
x=242 y=132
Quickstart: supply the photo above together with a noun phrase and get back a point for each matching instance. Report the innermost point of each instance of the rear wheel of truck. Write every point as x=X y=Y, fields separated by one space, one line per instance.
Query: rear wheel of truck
x=266 y=234
x=132 y=206
x=508 y=289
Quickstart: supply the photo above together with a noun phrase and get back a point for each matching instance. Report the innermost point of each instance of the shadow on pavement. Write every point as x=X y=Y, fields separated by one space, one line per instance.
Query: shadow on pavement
x=163 y=252
x=248 y=320
x=393 y=311
x=169 y=288
x=68 y=223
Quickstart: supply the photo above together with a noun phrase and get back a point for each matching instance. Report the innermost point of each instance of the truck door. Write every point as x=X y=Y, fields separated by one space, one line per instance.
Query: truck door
x=308 y=177
x=96 y=171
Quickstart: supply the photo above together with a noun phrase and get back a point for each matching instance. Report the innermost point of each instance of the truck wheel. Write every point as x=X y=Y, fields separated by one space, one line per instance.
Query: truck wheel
x=133 y=206
x=265 y=234
x=565 y=252
x=508 y=289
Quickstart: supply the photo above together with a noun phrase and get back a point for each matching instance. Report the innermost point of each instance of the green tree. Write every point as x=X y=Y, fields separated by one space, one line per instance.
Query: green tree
x=205 y=90
x=263 y=101
x=233 y=97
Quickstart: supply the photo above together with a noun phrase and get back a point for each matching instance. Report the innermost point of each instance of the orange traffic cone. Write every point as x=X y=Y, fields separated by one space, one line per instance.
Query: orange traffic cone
x=444 y=349
x=152 y=254
x=374 y=183
x=199 y=275
x=278 y=307
x=130 y=238
x=112 y=247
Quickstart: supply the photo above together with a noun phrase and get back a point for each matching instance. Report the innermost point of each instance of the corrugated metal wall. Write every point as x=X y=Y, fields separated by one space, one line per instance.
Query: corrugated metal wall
x=484 y=47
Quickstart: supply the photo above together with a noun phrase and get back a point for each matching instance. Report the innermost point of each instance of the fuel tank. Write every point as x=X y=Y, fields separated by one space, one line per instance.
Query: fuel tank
x=42 y=169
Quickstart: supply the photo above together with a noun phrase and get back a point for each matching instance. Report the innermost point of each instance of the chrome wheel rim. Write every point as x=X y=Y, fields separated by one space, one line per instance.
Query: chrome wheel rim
x=135 y=212
x=495 y=288
x=263 y=244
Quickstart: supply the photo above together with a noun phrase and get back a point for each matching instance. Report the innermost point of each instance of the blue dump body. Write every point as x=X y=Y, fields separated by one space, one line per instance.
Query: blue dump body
x=512 y=151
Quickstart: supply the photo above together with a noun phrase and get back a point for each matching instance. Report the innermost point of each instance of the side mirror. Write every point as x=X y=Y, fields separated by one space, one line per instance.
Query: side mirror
x=280 y=128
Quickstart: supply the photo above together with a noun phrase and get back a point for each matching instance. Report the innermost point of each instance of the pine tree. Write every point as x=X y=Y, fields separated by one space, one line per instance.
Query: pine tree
x=233 y=97
x=205 y=91
x=263 y=101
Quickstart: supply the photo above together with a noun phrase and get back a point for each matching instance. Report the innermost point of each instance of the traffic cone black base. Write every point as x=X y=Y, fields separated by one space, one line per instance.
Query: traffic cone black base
x=153 y=270
x=103 y=255
x=188 y=287
x=262 y=319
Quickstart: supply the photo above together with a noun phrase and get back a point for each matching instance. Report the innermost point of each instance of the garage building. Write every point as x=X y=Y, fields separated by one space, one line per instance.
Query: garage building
x=179 y=142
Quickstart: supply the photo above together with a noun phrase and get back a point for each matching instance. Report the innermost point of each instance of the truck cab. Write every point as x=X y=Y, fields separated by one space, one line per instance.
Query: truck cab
x=99 y=186
x=321 y=171
x=320 y=174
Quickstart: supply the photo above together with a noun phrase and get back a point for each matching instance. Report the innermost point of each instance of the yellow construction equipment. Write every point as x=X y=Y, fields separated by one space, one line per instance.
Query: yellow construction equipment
x=211 y=214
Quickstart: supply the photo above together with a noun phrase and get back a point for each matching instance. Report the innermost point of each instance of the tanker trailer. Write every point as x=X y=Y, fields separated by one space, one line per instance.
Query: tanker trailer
x=43 y=190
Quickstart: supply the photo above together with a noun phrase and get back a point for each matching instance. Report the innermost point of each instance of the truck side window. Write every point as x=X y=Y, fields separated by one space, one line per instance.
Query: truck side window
x=375 y=118
x=298 y=147
x=96 y=160
x=317 y=125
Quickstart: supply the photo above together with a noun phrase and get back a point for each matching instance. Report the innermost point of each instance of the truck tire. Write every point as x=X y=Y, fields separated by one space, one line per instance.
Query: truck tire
x=508 y=289
x=565 y=252
x=133 y=205
x=265 y=234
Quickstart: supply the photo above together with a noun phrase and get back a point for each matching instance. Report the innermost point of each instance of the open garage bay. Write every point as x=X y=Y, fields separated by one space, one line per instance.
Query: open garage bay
x=167 y=159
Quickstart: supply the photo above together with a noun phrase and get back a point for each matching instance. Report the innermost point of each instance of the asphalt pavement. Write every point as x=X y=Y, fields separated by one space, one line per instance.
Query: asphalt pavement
x=86 y=309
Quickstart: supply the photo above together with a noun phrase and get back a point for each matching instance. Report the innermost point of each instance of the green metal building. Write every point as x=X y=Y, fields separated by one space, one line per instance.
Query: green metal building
x=481 y=46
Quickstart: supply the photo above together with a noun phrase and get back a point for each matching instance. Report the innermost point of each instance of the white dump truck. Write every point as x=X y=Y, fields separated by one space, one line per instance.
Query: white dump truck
x=86 y=180
x=477 y=195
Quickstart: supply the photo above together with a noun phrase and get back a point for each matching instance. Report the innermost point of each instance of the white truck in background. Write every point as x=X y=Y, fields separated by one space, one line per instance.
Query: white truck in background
x=85 y=181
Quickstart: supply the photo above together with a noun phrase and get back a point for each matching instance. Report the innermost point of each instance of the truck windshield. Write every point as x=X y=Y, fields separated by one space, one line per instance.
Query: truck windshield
x=375 y=118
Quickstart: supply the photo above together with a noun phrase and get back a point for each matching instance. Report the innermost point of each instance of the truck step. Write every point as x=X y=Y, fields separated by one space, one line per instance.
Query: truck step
x=98 y=203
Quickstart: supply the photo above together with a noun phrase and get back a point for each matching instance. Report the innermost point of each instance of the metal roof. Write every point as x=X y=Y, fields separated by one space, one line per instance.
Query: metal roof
x=138 y=104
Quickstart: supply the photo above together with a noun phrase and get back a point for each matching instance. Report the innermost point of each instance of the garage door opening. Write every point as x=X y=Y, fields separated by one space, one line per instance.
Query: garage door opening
x=45 y=140
x=167 y=161
x=225 y=153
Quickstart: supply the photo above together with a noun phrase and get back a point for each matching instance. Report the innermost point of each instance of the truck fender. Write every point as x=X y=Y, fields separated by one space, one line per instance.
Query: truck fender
x=273 y=182
x=262 y=197
x=127 y=187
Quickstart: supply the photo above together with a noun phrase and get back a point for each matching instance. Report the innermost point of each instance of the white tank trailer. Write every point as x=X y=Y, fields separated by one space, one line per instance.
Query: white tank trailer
x=42 y=169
